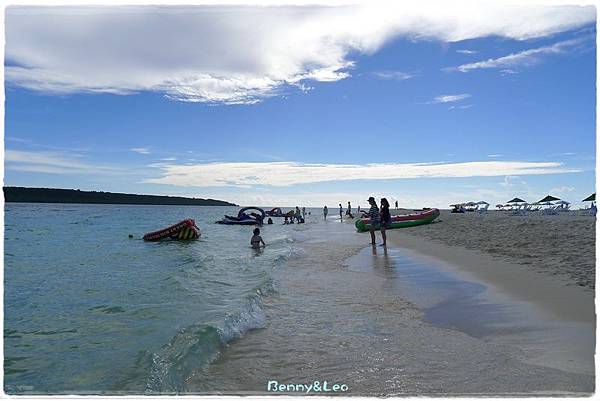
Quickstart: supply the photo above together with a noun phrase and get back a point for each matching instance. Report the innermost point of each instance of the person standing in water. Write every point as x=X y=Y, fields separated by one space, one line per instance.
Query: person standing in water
x=298 y=215
x=386 y=219
x=256 y=239
x=373 y=218
x=349 y=211
x=303 y=213
x=325 y=212
x=396 y=204
x=341 y=212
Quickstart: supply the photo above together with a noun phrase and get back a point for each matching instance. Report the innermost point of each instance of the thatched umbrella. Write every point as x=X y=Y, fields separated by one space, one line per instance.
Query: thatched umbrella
x=591 y=198
x=516 y=200
x=548 y=198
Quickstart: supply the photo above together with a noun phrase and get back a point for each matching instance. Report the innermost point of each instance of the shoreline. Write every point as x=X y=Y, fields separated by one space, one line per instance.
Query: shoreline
x=552 y=293
x=511 y=296
x=343 y=313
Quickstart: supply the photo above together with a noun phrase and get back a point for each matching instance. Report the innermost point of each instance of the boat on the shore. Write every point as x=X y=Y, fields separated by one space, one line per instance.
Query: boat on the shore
x=184 y=230
x=417 y=218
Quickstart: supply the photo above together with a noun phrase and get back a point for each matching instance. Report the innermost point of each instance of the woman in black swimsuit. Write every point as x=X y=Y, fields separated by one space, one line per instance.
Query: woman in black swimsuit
x=386 y=218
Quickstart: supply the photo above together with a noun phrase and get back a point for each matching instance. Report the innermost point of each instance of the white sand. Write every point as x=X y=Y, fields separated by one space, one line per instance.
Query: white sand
x=561 y=245
x=545 y=261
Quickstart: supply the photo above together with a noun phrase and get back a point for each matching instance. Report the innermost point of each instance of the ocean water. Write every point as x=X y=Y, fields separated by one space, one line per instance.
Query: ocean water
x=89 y=311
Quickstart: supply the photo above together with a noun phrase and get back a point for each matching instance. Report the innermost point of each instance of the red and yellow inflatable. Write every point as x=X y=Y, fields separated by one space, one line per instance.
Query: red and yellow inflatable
x=184 y=230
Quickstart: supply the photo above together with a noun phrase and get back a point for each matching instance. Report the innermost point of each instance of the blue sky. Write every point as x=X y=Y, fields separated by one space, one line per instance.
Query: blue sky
x=428 y=109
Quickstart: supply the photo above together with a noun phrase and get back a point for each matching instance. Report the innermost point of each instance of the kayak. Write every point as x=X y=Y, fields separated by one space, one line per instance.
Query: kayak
x=184 y=230
x=404 y=220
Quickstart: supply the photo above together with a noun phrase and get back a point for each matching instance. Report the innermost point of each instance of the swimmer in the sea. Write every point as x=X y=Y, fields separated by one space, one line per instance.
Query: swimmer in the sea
x=256 y=239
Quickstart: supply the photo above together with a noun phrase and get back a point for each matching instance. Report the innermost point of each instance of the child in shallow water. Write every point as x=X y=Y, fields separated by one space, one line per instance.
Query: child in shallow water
x=256 y=239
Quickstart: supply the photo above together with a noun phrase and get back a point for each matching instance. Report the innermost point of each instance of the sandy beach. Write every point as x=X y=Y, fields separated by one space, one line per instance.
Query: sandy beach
x=553 y=245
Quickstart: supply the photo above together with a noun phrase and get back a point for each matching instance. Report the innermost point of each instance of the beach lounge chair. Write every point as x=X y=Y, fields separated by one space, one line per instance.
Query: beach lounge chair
x=563 y=206
x=551 y=210
x=536 y=207
x=589 y=211
x=518 y=210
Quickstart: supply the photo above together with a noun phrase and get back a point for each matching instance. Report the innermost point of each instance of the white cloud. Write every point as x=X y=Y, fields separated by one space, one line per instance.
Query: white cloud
x=51 y=163
x=142 y=151
x=234 y=54
x=282 y=174
x=561 y=190
x=449 y=98
x=466 y=51
x=524 y=58
x=16 y=139
x=512 y=180
x=393 y=75
x=462 y=107
x=494 y=155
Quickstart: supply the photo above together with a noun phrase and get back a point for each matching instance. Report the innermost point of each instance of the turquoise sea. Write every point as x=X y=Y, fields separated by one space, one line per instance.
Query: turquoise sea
x=89 y=310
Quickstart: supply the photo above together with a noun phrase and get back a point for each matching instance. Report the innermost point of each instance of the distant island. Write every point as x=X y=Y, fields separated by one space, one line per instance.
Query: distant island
x=56 y=195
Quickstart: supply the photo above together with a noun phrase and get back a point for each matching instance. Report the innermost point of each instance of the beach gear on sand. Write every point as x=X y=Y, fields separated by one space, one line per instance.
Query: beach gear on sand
x=457 y=208
x=184 y=230
x=405 y=220
x=244 y=218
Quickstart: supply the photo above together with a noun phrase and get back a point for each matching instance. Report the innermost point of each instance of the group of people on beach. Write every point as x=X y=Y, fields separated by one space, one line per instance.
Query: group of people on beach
x=295 y=216
x=298 y=216
x=379 y=217
x=348 y=211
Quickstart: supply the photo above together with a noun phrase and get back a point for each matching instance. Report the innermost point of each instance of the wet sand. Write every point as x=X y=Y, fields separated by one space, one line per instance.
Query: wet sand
x=401 y=322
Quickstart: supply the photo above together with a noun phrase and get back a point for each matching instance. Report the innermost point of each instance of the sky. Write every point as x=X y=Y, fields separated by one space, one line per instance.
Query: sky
x=425 y=103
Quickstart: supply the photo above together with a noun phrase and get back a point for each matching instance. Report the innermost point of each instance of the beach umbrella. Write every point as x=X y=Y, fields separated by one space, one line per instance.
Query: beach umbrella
x=515 y=200
x=590 y=198
x=549 y=198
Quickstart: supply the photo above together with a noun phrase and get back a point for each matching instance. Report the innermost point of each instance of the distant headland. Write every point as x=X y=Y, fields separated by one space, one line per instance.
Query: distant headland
x=56 y=195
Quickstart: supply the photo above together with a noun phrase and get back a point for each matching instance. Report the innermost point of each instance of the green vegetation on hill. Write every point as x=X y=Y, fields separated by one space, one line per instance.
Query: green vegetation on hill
x=54 y=195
